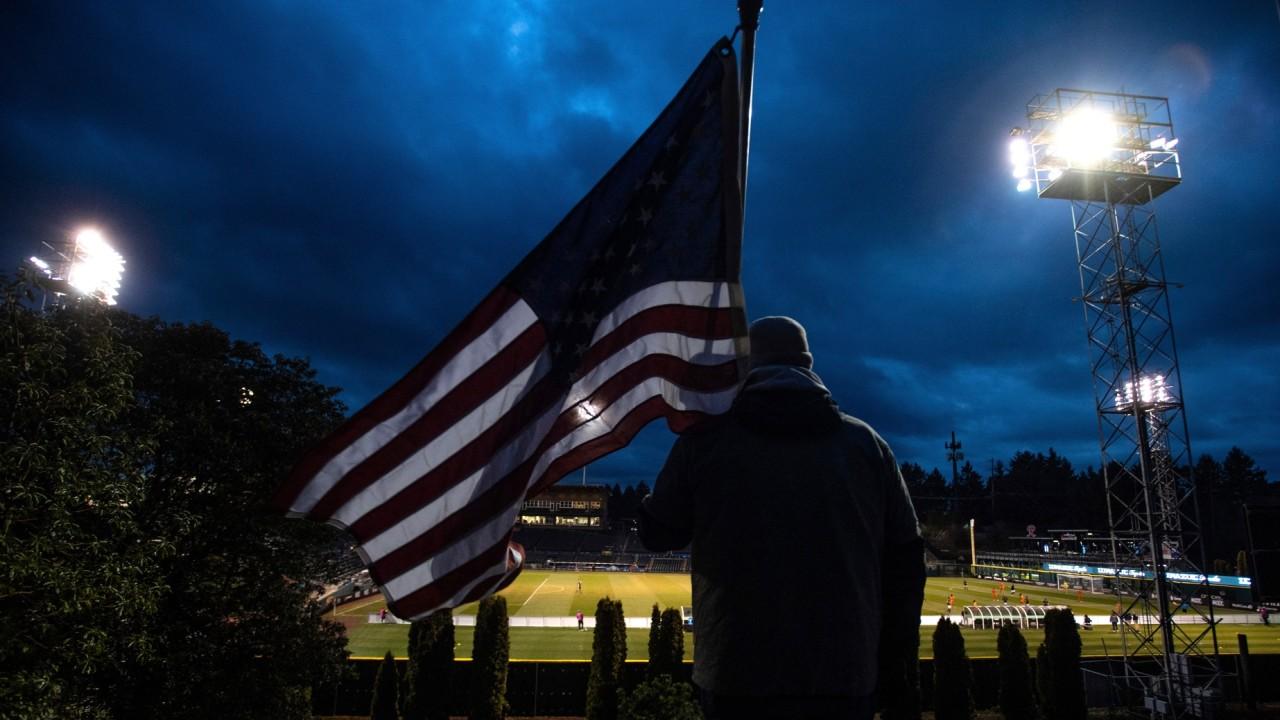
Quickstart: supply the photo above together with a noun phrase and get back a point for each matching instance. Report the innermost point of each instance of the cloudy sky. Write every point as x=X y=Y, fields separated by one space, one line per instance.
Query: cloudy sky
x=344 y=181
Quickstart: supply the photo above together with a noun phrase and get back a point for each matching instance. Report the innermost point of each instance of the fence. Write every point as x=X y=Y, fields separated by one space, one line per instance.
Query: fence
x=560 y=688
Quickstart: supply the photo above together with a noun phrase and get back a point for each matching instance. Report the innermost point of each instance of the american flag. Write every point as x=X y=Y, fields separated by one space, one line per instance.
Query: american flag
x=630 y=310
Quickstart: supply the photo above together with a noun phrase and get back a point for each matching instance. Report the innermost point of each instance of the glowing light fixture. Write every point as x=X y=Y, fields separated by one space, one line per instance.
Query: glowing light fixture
x=95 y=267
x=1024 y=185
x=1085 y=137
x=1149 y=390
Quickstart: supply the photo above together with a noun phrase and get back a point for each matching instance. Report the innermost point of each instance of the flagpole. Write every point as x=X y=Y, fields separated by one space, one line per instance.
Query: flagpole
x=749 y=21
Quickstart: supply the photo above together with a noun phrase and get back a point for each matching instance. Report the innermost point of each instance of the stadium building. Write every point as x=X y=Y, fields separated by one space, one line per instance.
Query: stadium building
x=567 y=506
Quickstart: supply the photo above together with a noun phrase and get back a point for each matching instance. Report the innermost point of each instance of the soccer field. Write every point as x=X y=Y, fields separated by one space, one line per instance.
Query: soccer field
x=555 y=594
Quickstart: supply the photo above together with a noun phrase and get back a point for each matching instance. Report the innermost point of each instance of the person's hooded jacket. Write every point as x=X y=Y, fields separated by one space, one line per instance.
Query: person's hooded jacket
x=807 y=560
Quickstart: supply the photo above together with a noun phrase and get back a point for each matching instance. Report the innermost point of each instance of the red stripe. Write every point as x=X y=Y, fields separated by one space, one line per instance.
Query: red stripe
x=452 y=408
x=502 y=494
x=622 y=435
x=448 y=585
x=471 y=457
x=397 y=396
x=698 y=322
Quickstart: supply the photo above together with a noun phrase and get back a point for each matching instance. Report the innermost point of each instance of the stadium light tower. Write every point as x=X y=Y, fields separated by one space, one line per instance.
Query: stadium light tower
x=1111 y=155
x=87 y=264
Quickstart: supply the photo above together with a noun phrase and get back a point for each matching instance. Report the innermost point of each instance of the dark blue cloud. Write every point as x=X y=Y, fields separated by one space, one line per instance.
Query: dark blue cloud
x=344 y=181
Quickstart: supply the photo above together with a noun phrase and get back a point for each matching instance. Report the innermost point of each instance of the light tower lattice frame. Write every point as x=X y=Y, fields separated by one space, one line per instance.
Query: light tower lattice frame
x=1111 y=155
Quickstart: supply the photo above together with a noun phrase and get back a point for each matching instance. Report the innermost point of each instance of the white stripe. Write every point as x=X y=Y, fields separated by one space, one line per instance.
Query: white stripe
x=461 y=495
x=523 y=446
x=446 y=444
x=513 y=322
x=677 y=397
x=458 y=553
x=696 y=293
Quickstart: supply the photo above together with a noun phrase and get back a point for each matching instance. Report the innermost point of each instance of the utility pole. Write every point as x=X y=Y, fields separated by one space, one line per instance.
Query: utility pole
x=955 y=456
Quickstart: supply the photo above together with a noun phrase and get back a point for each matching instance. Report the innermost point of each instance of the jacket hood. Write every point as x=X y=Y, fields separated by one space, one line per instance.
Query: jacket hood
x=786 y=400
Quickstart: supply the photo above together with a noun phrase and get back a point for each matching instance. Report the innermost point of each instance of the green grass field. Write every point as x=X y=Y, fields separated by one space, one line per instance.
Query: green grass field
x=555 y=594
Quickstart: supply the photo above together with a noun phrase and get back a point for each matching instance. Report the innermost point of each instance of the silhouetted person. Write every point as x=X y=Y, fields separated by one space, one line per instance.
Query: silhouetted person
x=808 y=567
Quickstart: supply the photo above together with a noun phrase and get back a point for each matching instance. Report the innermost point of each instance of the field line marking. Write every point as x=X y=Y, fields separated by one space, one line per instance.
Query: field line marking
x=535 y=592
x=346 y=610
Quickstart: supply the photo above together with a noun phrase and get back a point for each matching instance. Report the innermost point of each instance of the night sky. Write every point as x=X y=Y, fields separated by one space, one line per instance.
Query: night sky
x=344 y=181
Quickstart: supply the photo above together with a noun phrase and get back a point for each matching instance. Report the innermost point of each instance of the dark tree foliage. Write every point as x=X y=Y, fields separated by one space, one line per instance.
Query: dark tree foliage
x=668 y=653
x=1016 y=698
x=1058 y=675
x=491 y=651
x=608 y=653
x=655 y=632
x=386 y=690
x=952 y=698
x=427 y=682
x=659 y=698
x=145 y=574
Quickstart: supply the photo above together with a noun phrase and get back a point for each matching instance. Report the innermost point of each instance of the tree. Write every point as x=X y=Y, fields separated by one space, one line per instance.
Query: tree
x=427 y=689
x=80 y=572
x=655 y=634
x=1016 y=701
x=142 y=560
x=667 y=654
x=1241 y=474
x=659 y=698
x=490 y=654
x=1058 y=668
x=952 y=699
x=608 y=653
x=1242 y=563
x=386 y=690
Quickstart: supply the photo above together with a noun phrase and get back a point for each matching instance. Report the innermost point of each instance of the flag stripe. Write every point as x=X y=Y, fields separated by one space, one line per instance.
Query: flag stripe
x=652 y=374
x=472 y=405
x=476 y=323
x=433 y=595
x=697 y=322
x=479 y=454
x=692 y=293
x=449 y=399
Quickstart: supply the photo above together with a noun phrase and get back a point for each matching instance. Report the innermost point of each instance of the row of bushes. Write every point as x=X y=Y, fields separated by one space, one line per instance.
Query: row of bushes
x=1058 y=683
x=425 y=692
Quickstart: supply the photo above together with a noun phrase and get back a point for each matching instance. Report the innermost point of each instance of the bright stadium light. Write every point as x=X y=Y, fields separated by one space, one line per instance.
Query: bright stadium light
x=1150 y=390
x=95 y=267
x=1085 y=137
x=42 y=265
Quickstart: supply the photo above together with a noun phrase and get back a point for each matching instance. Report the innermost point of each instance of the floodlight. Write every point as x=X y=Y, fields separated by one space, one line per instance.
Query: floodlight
x=1158 y=143
x=1085 y=137
x=1149 y=391
x=1171 y=144
x=44 y=266
x=95 y=267
x=1024 y=185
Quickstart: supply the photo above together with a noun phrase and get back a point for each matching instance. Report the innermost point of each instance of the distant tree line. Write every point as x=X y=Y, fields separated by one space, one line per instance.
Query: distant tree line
x=1044 y=490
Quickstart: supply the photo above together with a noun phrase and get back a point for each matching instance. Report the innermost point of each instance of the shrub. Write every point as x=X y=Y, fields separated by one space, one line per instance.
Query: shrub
x=655 y=632
x=608 y=653
x=385 y=690
x=951 y=679
x=1058 y=673
x=490 y=653
x=659 y=698
x=1016 y=701
x=666 y=651
x=427 y=680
